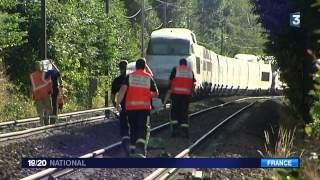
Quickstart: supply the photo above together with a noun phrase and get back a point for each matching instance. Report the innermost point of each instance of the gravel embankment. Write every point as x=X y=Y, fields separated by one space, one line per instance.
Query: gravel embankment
x=243 y=138
x=199 y=125
x=70 y=142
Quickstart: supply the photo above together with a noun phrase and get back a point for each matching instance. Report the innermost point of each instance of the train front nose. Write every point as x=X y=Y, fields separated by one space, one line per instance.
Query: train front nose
x=163 y=86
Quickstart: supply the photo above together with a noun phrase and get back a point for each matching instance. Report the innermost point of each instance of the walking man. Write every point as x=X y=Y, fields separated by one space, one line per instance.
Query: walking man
x=41 y=89
x=180 y=89
x=115 y=87
x=55 y=76
x=138 y=89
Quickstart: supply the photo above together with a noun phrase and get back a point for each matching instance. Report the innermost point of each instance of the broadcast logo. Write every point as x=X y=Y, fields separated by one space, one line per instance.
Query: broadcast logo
x=295 y=19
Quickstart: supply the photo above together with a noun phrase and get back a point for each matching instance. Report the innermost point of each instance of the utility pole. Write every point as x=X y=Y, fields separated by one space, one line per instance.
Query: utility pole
x=107 y=6
x=106 y=71
x=142 y=28
x=165 y=14
x=222 y=39
x=43 y=46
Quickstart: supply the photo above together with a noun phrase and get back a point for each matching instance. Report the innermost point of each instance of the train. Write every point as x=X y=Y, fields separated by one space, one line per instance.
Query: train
x=214 y=73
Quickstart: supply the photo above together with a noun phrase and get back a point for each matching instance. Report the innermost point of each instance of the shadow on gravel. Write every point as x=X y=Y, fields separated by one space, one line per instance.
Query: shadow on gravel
x=81 y=140
x=242 y=137
x=245 y=135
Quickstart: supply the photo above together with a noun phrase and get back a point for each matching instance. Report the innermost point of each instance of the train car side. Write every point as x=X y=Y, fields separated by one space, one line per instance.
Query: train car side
x=215 y=74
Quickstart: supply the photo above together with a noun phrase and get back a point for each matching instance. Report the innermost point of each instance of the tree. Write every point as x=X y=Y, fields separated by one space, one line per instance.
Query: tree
x=289 y=45
x=84 y=41
x=10 y=34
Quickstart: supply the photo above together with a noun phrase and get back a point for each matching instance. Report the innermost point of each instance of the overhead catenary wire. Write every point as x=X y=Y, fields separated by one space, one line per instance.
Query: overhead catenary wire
x=139 y=11
x=133 y=16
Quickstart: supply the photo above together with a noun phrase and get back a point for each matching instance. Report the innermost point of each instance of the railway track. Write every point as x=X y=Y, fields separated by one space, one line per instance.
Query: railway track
x=61 y=117
x=80 y=117
x=164 y=173
x=56 y=173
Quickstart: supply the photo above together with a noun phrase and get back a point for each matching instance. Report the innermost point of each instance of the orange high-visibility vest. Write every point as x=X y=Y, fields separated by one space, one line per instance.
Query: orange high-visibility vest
x=138 y=93
x=40 y=86
x=183 y=81
x=60 y=99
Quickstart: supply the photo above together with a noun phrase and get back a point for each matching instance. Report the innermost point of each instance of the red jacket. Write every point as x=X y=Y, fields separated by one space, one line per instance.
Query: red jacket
x=182 y=83
x=138 y=93
x=40 y=86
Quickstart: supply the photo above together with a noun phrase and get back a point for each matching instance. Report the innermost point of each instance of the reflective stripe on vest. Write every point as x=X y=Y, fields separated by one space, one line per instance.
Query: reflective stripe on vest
x=40 y=86
x=141 y=141
x=138 y=93
x=173 y=122
x=138 y=103
x=183 y=81
x=184 y=125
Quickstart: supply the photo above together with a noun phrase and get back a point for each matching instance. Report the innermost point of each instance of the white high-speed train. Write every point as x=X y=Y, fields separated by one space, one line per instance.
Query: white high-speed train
x=214 y=73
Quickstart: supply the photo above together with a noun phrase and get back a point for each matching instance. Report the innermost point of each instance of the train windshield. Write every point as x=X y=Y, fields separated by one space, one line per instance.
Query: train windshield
x=162 y=46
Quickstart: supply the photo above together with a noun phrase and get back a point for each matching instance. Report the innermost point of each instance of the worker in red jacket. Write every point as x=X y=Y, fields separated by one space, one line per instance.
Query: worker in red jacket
x=138 y=89
x=180 y=89
x=41 y=93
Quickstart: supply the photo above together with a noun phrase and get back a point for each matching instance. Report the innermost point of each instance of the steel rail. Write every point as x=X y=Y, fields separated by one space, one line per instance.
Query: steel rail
x=37 y=130
x=53 y=173
x=163 y=173
x=34 y=119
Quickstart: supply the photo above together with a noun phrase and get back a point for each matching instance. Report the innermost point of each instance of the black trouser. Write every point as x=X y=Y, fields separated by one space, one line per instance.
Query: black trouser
x=124 y=131
x=139 y=129
x=54 y=115
x=124 y=126
x=179 y=111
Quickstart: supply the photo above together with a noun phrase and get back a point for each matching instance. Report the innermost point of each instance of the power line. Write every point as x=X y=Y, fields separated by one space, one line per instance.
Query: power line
x=133 y=16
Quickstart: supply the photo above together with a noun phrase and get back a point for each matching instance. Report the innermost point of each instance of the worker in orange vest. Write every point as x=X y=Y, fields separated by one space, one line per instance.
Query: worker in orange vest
x=60 y=99
x=138 y=89
x=41 y=90
x=180 y=89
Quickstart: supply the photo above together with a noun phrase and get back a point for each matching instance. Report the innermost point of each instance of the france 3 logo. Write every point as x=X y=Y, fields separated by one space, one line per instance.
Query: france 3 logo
x=295 y=19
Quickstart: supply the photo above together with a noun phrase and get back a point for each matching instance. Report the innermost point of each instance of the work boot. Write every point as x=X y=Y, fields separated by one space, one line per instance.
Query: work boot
x=132 y=149
x=140 y=150
x=185 y=133
x=174 y=130
x=175 y=133
x=125 y=147
x=53 y=119
x=46 y=121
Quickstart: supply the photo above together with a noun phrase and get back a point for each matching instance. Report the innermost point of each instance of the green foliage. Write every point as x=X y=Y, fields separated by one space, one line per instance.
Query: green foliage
x=152 y=22
x=13 y=105
x=315 y=110
x=83 y=40
x=10 y=34
x=210 y=19
x=289 y=46
x=314 y=128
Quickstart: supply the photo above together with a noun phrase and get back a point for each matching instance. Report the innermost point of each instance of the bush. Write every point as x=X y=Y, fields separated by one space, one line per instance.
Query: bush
x=14 y=105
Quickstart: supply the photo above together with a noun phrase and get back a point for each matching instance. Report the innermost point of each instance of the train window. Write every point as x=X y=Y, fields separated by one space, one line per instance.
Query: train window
x=163 y=46
x=209 y=66
x=198 y=65
x=204 y=66
x=265 y=76
x=193 y=38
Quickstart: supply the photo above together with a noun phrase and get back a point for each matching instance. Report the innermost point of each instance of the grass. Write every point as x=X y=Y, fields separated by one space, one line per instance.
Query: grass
x=282 y=146
x=13 y=105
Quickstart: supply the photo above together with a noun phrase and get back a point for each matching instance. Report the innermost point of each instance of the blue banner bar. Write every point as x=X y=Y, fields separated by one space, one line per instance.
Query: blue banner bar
x=158 y=163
